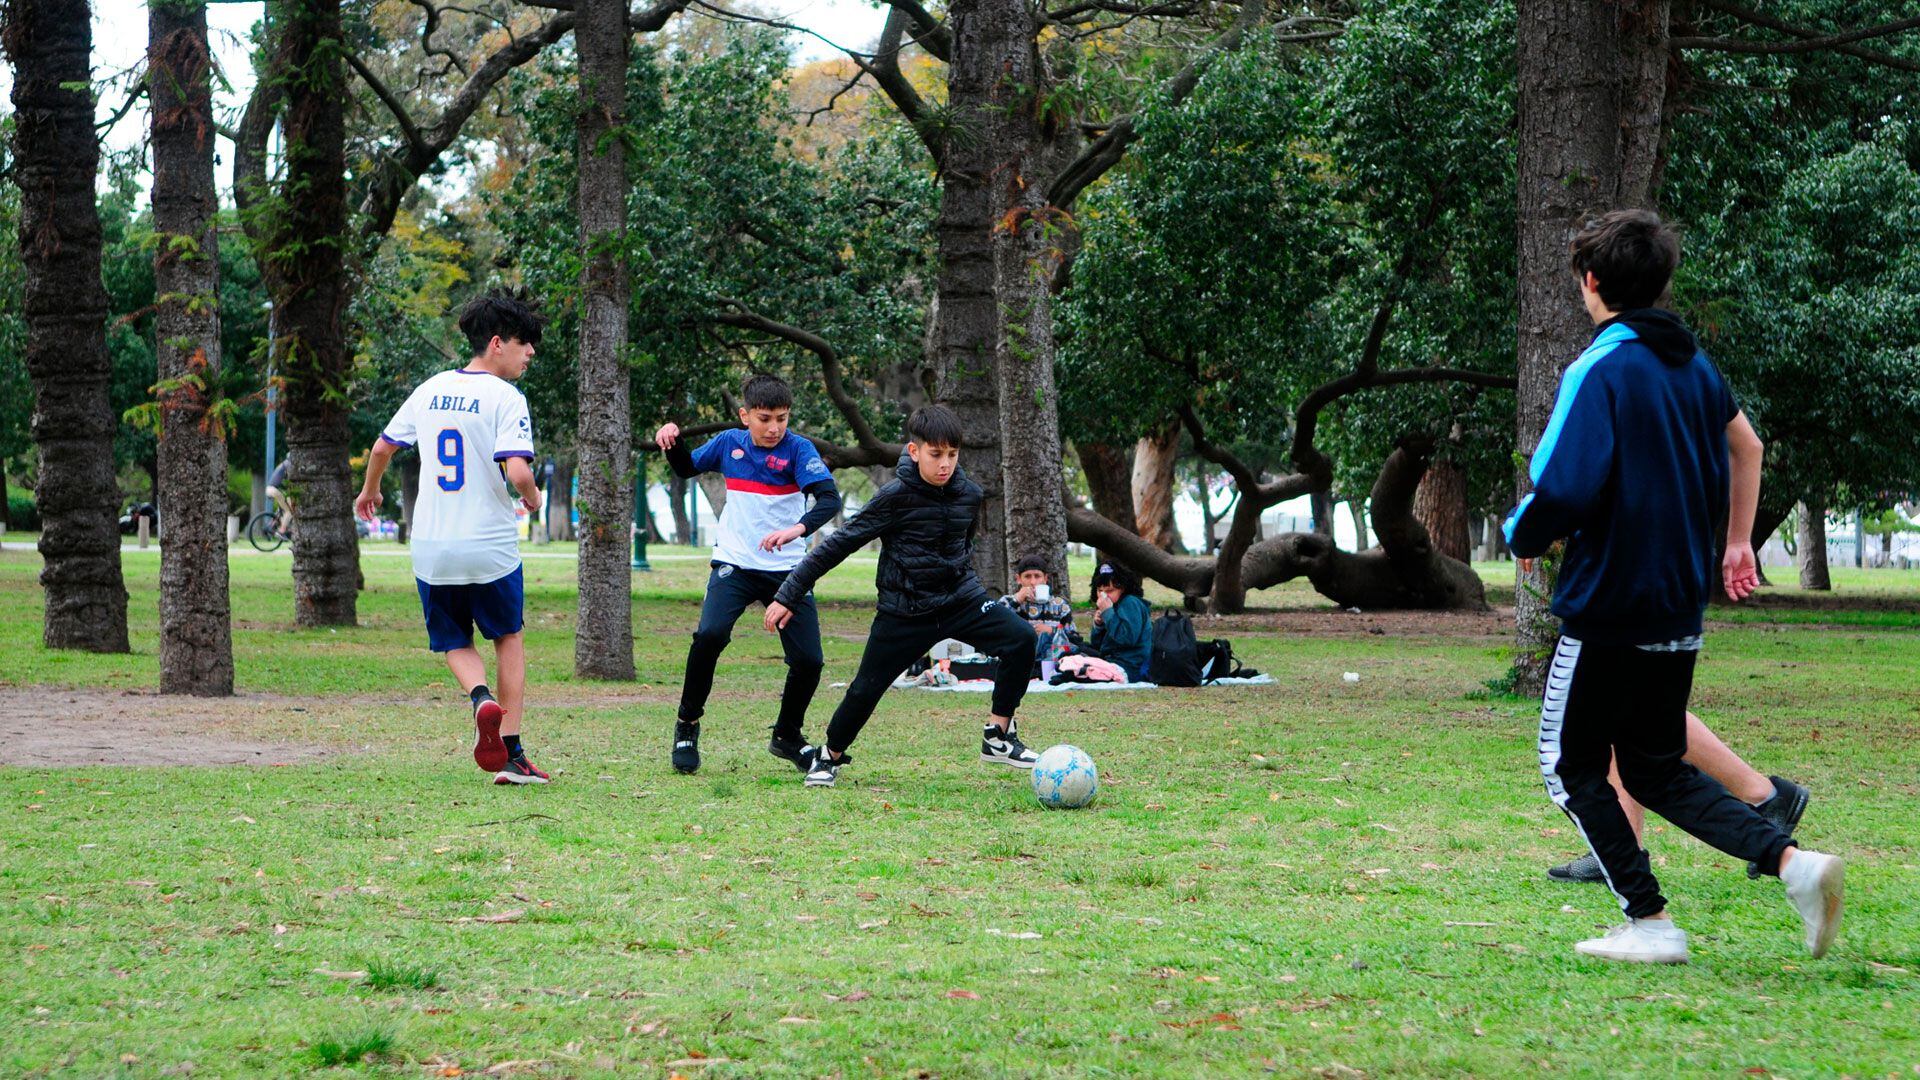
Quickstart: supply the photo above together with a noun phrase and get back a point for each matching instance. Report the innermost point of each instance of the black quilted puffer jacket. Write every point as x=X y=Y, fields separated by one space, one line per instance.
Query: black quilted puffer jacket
x=926 y=545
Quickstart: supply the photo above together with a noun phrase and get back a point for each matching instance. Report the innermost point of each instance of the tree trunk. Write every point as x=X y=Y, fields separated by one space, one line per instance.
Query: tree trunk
x=55 y=158
x=1154 y=458
x=196 y=634
x=677 y=497
x=1109 y=480
x=409 y=494
x=1322 y=510
x=1812 y=542
x=1592 y=83
x=305 y=272
x=1441 y=507
x=1358 y=509
x=560 y=499
x=1229 y=595
x=603 y=641
x=714 y=487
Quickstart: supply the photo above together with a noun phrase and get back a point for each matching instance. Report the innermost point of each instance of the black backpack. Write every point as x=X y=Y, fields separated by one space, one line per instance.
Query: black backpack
x=1176 y=652
x=1218 y=662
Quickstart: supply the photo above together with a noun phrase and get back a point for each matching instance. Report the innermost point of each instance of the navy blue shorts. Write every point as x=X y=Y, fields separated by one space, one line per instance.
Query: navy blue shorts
x=454 y=610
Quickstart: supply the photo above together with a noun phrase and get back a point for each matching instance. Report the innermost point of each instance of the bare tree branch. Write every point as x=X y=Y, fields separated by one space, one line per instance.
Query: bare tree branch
x=1769 y=22
x=427 y=29
x=408 y=129
x=927 y=32
x=1804 y=45
x=885 y=70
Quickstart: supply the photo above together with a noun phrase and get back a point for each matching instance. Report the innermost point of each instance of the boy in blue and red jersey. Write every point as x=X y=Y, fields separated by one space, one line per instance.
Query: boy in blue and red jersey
x=770 y=473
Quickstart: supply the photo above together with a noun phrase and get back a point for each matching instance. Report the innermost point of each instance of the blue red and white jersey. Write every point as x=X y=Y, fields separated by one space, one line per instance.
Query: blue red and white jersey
x=465 y=521
x=765 y=493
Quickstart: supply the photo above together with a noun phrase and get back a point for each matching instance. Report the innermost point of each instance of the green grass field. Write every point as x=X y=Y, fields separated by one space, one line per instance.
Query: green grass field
x=1311 y=879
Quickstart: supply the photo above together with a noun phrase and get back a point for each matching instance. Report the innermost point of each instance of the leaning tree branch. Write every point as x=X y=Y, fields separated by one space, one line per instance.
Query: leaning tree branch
x=1804 y=45
x=927 y=32
x=1762 y=19
x=250 y=142
x=885 y=69
x=743 y=317
x=427 y=28
x=409 y=130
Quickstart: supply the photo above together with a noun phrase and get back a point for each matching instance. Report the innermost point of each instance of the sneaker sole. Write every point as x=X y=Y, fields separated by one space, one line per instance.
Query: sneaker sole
x=1572 y=879
x=515 y=778
x=1631 y=958
x=686 y=770
x=489 y=752
x=995 y=759
x=819 y=783
x=1832 y=899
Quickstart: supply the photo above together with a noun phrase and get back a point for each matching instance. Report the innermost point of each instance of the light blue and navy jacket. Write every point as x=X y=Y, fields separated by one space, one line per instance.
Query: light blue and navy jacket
x=1633 y=470
x=767 y=491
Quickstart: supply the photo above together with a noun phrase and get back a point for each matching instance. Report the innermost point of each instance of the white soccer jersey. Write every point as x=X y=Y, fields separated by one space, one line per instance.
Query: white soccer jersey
x=467 y=423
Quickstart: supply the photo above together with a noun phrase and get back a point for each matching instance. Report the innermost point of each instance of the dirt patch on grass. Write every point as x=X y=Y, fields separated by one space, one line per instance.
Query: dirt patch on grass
x=44 y=726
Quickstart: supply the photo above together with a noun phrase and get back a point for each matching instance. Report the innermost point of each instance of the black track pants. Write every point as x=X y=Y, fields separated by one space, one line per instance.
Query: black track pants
x=1630 y=703
x=895 y=642
x=730 y=590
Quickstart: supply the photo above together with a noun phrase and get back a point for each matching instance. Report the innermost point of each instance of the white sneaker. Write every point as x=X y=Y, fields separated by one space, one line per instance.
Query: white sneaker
x=1814 y=885
x=1642 y=941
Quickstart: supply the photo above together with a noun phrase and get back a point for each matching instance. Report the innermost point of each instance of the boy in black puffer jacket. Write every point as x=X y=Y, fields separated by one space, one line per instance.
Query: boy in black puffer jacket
x=924 y=520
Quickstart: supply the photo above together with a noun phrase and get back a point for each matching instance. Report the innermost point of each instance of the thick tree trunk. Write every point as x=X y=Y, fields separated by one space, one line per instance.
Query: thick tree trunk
x=1154 y=458
x=55 y=157
x=1229 y=595
x=1811 y=540
x=1592 y=83
x=196 y=633
x=677 y=498
x=1109 y=480
x=714 y=487
x=1358 y=510
x=1322 y=510
x=305 y=273
x=1441 y=507
x=603 y=641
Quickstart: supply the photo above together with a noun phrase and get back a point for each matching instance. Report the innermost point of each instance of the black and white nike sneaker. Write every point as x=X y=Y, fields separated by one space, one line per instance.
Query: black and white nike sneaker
x=1003 y=747
x=795 y=751
x=686 y=746
x=824 y=768
x=1784 y=809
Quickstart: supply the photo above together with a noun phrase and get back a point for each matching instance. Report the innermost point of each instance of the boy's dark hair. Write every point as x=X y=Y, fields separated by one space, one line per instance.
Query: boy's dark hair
x=1031 y=562
x=765 y=391
x=1631 y=254
x=1119 y=577
x=934 y=425
x=499 y=314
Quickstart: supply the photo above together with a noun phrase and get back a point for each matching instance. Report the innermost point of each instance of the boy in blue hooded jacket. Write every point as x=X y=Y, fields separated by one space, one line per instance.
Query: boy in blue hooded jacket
x=1644 y=461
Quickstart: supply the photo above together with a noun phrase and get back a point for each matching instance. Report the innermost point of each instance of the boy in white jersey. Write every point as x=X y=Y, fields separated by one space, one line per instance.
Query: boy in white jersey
x=476 y=453
x=770 y=471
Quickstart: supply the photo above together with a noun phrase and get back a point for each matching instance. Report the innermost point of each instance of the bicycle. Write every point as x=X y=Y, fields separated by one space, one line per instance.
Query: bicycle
x=267 y=532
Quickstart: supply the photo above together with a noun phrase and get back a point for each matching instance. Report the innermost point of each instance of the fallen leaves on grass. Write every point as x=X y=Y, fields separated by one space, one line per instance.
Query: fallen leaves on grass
x=501 y=917
x=850 y=996
x=963 y=995
x=348 y=975
x=796 y=1020
x=1220 y=1021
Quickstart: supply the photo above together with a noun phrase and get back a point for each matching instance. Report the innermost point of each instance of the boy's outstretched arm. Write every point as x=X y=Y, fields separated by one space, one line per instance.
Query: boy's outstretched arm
x=369 y=499
x=679 y=458
x=1570 y=468
x=872 y=520
x=1739 y=570
x=520 y=475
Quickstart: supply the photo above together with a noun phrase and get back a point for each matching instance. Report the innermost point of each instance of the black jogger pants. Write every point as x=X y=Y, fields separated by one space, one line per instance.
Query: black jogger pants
x=894 y=642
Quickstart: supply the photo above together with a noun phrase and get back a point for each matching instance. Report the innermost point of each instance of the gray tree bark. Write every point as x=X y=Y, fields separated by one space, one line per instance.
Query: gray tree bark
x=1592 y=82
x=1109 y=480
x=409 y=493
x=1811 y=539
x=196 y=633
x=677 y=498
x=1441 y=506
x=714 y=487
x=603 y=641
x=559 y=509
x=55 y=156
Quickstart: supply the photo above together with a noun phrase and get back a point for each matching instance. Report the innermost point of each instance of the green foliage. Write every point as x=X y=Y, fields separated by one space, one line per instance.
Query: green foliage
x=719 y=207
x=1238 y=260
x=22 y=511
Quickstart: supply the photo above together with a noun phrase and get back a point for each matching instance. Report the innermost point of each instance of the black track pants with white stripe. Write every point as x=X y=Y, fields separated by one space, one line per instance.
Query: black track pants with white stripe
x=1631 y=704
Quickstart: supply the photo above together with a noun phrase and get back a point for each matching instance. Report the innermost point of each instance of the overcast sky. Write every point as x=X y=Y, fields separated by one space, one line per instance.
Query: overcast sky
x=120 y=43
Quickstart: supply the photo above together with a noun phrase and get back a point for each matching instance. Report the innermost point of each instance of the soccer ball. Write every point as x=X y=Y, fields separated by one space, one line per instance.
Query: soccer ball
x=1064 y=778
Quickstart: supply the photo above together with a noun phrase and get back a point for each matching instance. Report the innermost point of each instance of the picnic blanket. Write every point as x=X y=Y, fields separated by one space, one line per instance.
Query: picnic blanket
x=981 y=686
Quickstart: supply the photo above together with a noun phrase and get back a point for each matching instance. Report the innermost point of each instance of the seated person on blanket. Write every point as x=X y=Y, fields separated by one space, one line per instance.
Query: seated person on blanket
x=1050 y=614
x=924 y=521
x=1122 y=621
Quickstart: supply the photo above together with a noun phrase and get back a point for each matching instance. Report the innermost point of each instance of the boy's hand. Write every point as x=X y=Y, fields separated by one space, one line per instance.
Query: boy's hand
x=1023 y=594
x=780 y=538
x=366 y=503
x=531 y=502
x=1526 y=565
x=1740 y=571
x=668 y=434
x=1103 y=602
x=778 y=615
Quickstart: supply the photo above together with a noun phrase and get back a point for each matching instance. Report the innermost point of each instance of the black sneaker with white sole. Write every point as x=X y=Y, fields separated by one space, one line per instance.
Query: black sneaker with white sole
x=795 y=751
x=1784 y=809
x=1584 y=868
x=1003 y=747
x=823 y=769
x=686 y=746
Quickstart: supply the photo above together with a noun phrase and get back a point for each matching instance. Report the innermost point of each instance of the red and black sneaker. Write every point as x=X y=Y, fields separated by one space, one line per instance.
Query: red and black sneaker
x=520 y=771
x=489 y=750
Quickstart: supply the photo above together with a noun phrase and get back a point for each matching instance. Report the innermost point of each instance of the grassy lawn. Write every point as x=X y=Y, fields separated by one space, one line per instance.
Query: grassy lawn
x=1311 y=879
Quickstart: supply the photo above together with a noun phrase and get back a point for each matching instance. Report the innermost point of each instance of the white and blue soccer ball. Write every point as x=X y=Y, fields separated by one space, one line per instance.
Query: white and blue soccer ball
x=1064 y=778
